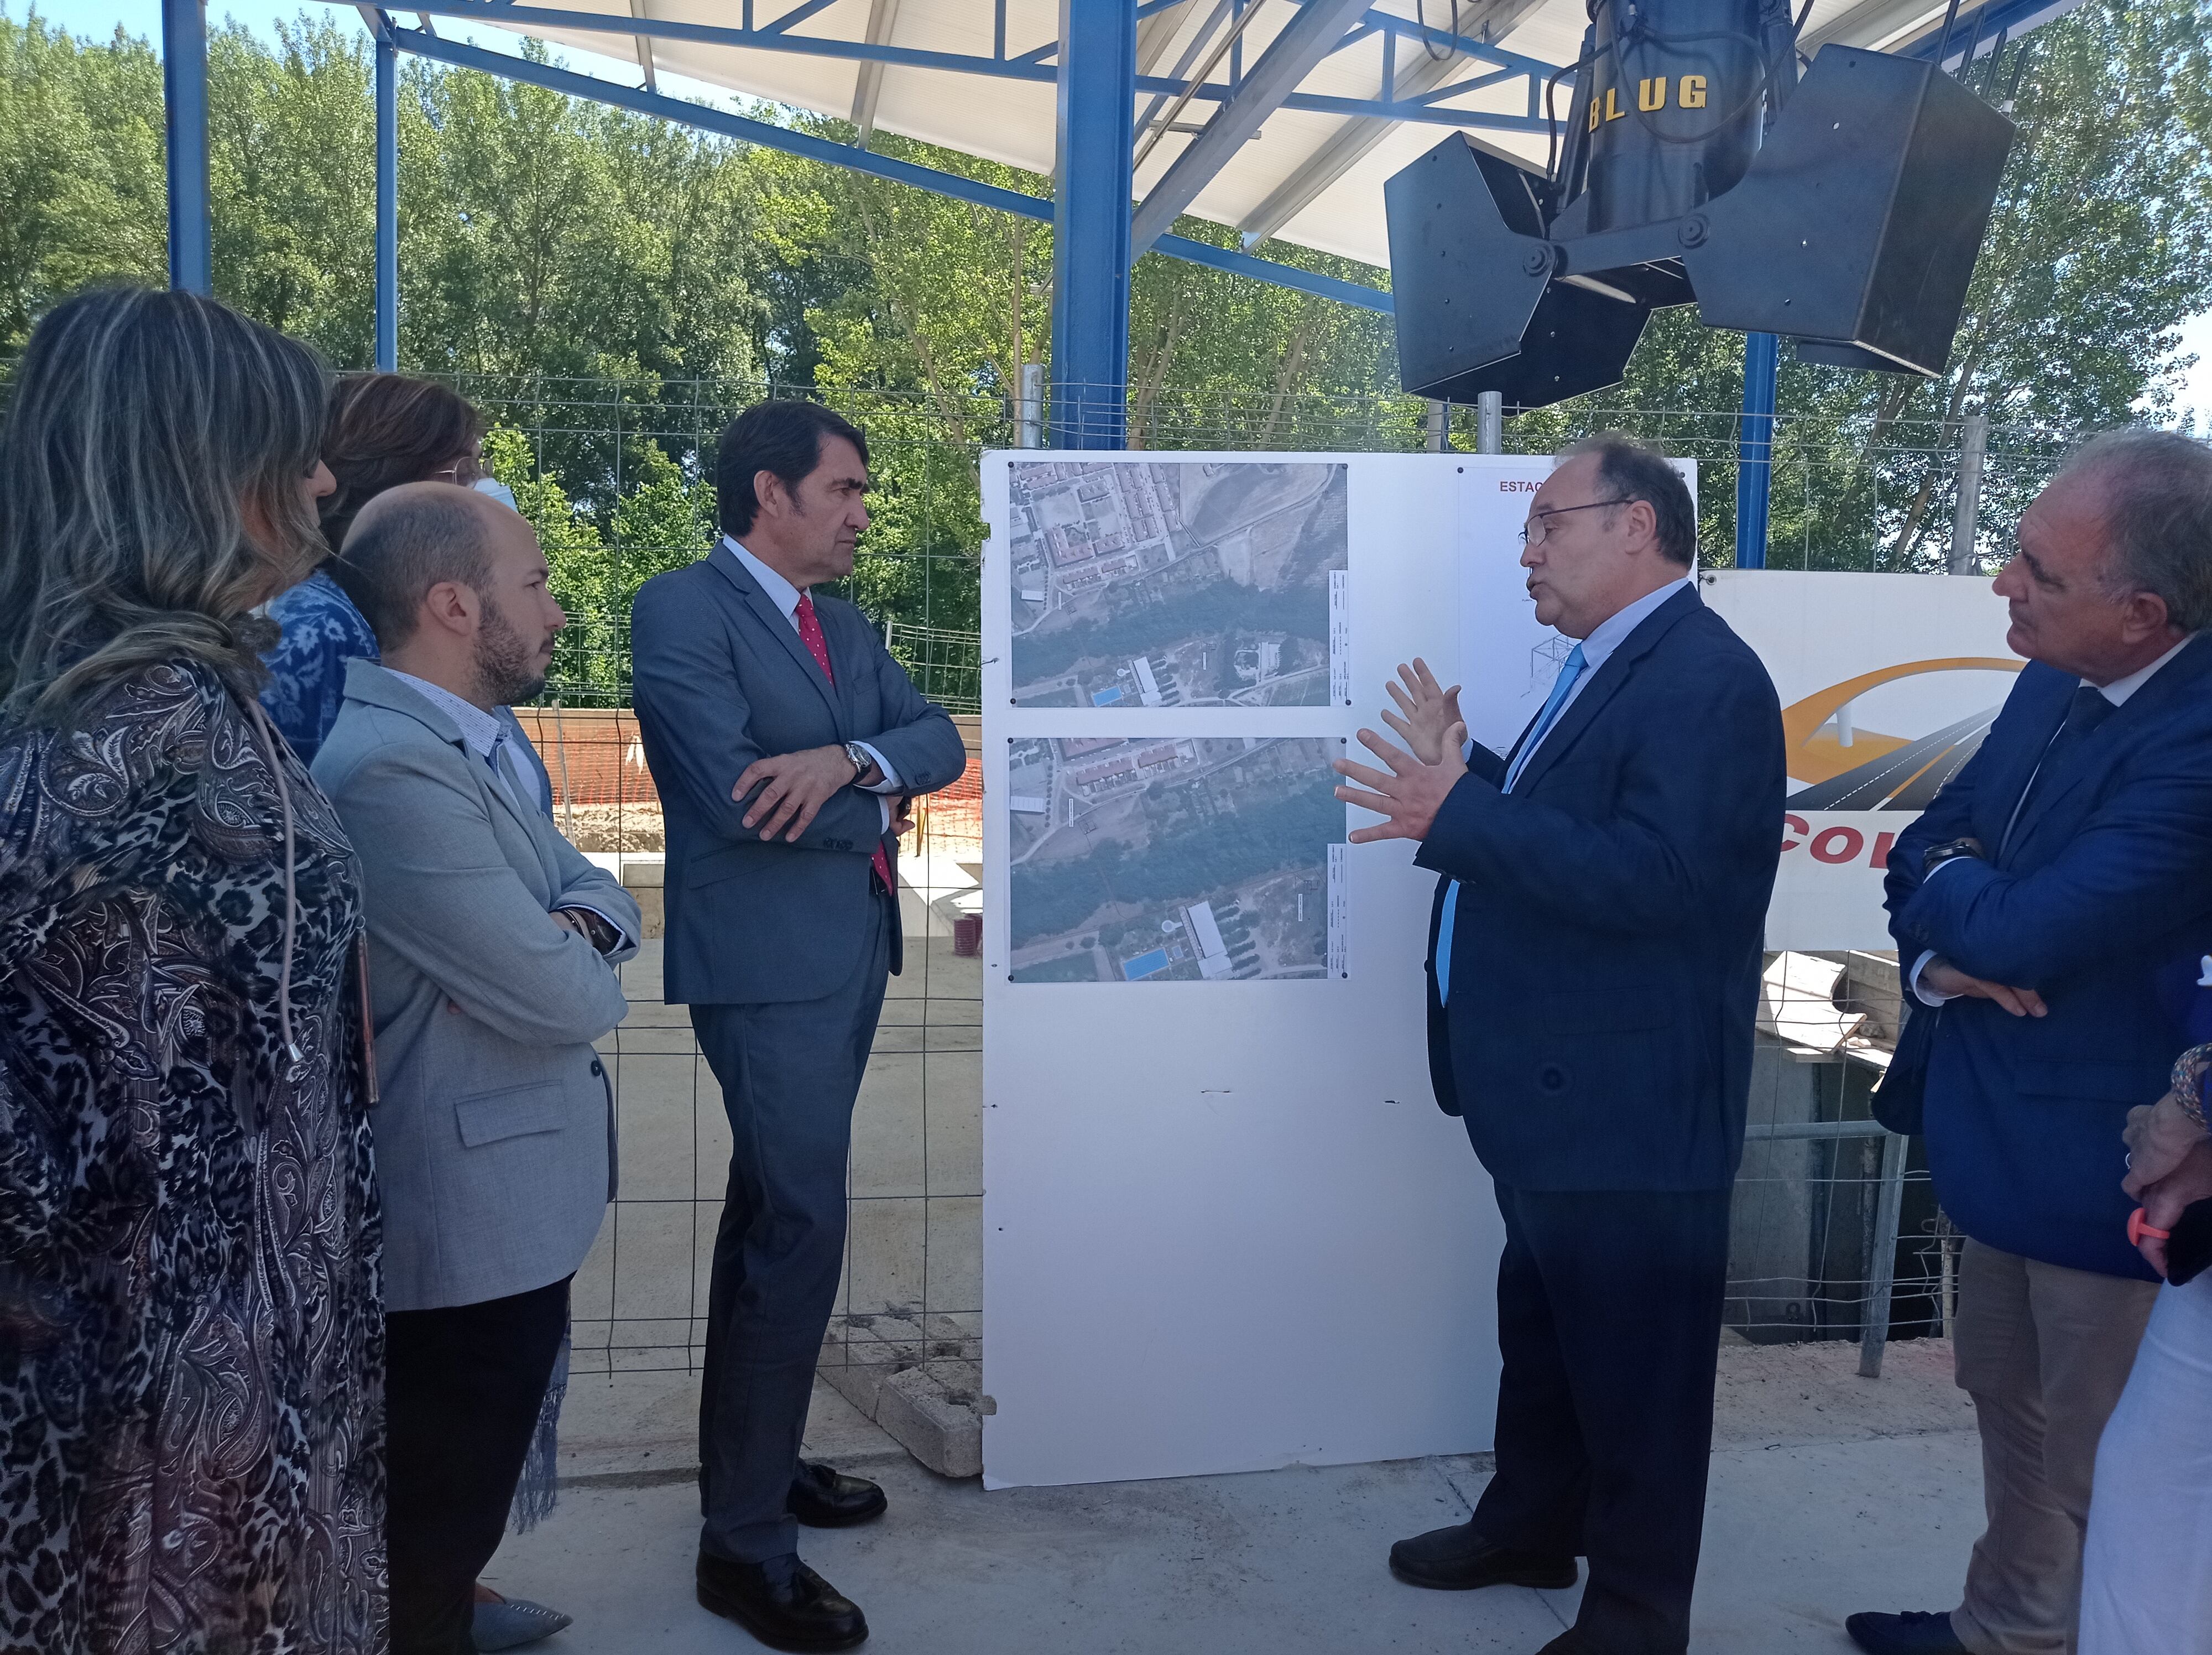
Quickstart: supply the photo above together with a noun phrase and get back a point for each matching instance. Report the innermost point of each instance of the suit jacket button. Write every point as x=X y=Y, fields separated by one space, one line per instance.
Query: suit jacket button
x=1551 y=1077
x=596 y=1069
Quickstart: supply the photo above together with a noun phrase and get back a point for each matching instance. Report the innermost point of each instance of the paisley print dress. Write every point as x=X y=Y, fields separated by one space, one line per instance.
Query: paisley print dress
x=191 y=1319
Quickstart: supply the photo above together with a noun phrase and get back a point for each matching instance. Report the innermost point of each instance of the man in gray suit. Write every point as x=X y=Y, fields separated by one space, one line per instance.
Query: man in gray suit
x=780 y=733
x=492 y=950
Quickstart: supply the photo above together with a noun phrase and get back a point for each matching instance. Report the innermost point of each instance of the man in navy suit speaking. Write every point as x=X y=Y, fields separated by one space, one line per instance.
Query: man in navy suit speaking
x=1594 y=972
x=2040 y=905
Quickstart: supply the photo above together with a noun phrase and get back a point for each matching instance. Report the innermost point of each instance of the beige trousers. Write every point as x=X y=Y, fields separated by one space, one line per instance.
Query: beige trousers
x=2045 y=1351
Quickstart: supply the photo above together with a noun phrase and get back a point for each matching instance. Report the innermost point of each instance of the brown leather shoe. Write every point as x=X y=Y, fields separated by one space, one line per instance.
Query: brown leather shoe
x=783 y=1603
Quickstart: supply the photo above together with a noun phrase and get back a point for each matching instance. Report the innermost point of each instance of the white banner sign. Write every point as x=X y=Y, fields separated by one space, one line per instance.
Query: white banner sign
x=1888 y=683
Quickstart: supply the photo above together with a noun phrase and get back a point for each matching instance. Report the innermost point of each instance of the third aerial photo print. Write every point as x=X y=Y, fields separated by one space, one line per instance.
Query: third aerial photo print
x=1178 y=583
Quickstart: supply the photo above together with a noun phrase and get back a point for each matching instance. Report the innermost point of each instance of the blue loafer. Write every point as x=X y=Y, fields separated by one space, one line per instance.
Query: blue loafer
x=514 y=1622
x=1912 y=1633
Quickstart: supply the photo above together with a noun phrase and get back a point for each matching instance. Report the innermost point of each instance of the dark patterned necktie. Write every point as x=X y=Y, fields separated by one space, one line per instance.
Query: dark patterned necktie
x=2089 y=709
x=810 y=634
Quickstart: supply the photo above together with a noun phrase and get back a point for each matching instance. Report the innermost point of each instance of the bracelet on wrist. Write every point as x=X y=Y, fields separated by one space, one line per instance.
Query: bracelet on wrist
x=2189 y=1072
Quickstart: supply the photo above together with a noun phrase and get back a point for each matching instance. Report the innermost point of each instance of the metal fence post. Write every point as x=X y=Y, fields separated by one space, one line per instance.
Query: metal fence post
x=1489 y=422
x=1028 y=419
x=1881 y=1267
x=387 y=204
x=184 y=101
x=1973 y=450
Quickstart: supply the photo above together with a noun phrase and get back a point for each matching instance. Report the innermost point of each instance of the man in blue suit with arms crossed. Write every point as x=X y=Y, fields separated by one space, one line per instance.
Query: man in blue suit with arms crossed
x=1594 y=972
x=784 y=740
x=2036 y=905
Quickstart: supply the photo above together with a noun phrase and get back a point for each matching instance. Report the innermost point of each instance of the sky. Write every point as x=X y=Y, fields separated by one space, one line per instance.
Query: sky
x=144 y=17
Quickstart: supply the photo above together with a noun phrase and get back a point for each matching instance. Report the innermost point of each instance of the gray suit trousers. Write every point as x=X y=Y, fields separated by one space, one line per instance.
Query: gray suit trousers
x=789 y=1071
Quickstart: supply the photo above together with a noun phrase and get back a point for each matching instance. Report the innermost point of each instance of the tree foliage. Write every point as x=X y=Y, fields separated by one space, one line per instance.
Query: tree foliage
x=611 y=288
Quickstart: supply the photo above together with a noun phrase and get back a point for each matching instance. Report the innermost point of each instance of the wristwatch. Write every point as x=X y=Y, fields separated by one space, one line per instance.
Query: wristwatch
x=1938 y=854
x=862 y=763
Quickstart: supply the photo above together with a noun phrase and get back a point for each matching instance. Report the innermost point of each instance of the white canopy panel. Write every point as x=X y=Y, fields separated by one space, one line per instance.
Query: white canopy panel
x=1311 y=178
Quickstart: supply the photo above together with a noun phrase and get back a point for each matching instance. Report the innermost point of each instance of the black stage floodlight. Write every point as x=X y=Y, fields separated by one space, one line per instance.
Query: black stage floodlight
x=1853 y=228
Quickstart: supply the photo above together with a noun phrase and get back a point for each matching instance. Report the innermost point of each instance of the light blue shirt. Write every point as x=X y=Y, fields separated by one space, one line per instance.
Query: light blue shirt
x=1595 y=650
x=785 y=597
x=1608 y=635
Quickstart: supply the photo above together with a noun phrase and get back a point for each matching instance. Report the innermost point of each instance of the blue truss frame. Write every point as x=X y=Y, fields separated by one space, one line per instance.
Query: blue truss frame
x=1035 y=66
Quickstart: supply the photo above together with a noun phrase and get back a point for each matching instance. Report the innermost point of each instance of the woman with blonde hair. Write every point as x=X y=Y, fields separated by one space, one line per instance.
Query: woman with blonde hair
x=191 y=1329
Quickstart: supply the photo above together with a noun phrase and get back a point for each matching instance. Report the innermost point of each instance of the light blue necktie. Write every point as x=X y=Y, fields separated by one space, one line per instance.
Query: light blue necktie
x=499 y=772
x=1570 y=670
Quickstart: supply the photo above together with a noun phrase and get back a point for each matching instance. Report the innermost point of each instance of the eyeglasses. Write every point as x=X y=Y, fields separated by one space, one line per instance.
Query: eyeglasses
x=466 y=470
x=1533 y=531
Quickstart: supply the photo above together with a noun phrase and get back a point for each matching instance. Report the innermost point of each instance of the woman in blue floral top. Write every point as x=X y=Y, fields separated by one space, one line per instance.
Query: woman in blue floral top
x=385 y=429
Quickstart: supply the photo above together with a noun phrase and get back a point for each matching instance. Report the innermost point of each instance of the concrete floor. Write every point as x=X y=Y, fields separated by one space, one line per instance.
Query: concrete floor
x=1829 y=1494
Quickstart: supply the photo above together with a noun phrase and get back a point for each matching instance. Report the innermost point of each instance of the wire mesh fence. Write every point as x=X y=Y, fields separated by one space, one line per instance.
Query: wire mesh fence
x=1837 y=1234
x=619 y=477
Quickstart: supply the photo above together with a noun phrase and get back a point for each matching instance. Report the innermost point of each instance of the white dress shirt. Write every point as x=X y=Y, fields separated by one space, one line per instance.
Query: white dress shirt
x=489 y=740
x=2117 y=692
x=784 y=596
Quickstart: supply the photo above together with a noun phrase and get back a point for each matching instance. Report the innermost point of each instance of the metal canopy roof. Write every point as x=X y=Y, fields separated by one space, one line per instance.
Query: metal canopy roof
x=1338 y=95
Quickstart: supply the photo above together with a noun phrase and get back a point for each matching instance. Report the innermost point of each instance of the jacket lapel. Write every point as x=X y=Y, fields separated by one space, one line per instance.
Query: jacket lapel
x=2042 y=694
x=842 y=635
x=2178 y=677
x=1605 y=685
x=764 y=609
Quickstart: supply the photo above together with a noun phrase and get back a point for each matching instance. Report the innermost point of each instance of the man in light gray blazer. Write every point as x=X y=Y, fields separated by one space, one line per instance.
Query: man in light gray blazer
x=784 y=740
x=492 y=950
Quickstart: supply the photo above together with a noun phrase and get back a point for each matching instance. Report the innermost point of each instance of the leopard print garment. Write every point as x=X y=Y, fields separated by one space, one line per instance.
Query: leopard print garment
x=190 y=1323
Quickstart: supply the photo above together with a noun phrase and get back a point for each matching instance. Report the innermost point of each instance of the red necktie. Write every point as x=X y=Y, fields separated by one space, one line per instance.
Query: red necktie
x=810 y=634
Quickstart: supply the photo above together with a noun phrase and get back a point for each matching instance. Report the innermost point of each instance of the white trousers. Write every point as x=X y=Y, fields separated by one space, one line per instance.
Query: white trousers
x=2147 y=1565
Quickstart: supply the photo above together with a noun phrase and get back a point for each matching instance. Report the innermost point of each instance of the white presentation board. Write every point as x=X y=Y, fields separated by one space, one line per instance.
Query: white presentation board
x=1225 y=1226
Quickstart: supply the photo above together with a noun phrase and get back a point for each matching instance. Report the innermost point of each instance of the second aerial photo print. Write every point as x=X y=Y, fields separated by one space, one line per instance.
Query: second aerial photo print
x=1174 y=859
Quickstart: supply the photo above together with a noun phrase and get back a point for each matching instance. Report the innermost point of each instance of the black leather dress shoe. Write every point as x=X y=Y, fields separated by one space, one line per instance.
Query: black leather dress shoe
x=783 y=1603
x=823 y=1498
x=1912 y=1633
x=1459 y=1560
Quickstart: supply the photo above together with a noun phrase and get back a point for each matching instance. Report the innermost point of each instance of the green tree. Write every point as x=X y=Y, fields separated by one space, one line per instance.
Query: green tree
x=82 y=196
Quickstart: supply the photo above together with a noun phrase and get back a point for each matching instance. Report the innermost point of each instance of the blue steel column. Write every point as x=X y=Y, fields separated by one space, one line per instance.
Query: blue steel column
x=1754 y=448
x=388 y=207
x=1091 y=224
x=184 y=100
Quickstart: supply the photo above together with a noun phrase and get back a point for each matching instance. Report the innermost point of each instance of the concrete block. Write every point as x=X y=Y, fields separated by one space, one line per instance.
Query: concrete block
x=931 y=1411
x=644 y=877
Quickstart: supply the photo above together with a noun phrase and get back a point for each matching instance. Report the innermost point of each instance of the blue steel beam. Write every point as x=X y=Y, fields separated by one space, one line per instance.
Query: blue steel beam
x=388 y=203
x=1754 y=469
x=1091 y=226
x=545 y=19
x=746 y=130
x=185 y=105
x=1307 y=39
x=1984 y=25
x=798 y=14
